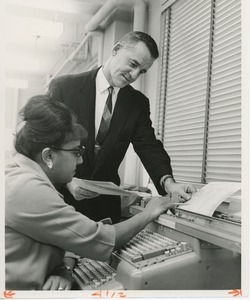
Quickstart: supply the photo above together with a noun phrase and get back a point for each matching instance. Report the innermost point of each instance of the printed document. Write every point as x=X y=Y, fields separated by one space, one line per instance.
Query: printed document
x=106 y=188
x=207 y=199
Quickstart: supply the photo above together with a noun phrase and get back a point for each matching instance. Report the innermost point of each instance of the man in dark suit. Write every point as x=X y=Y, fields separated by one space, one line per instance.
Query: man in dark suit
x=85 y=95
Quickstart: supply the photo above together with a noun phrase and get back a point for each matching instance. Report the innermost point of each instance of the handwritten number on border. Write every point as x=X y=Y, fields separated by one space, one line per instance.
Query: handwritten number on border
x=109 y=294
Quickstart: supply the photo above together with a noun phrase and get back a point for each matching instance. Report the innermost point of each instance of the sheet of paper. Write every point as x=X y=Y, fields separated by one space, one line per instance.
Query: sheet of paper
x=107 y=188
x=208 y=198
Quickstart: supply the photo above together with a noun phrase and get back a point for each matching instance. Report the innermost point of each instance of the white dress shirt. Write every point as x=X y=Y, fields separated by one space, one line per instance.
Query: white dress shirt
x=102 y=86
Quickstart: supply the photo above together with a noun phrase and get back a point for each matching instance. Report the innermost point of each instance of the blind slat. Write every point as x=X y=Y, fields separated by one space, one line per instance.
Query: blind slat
x=184 y=84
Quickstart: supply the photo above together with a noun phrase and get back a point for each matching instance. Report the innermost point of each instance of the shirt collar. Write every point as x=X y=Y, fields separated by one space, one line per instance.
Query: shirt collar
x=102 y=83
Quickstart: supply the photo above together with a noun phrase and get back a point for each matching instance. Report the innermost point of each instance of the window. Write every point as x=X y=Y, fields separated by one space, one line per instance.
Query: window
x=199 y=110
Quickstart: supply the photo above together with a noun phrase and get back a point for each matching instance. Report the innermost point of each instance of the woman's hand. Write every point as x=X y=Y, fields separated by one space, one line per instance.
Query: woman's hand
x=56 y=282
x=159 y=205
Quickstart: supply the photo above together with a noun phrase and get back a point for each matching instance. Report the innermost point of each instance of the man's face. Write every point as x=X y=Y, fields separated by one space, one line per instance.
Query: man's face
x=128 y=63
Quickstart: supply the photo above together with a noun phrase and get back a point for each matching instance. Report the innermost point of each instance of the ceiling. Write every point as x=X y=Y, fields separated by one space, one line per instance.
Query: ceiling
x=30 y=53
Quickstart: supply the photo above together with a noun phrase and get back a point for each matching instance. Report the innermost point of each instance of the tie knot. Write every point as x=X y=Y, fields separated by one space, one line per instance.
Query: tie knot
x=110 y=89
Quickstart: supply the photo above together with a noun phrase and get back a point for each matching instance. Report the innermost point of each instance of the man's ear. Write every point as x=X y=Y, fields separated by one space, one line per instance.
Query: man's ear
x=47 y=157
x=116 y=48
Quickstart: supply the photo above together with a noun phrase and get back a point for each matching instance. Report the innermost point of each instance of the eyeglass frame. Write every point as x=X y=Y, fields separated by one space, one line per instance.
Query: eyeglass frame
x=79 y=150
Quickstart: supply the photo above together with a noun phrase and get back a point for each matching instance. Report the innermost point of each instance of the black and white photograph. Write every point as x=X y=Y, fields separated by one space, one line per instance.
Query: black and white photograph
x=125 y=149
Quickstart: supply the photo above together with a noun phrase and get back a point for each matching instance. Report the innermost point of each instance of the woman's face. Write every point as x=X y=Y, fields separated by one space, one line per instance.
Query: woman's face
x=65 y=162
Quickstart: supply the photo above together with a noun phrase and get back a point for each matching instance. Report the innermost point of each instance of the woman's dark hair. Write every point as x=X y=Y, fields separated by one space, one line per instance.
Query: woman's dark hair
x=46 y=123
x=138 y=36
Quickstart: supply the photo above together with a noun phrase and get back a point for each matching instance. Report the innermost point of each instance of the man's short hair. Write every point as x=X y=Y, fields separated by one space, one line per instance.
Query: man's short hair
x=138 y=36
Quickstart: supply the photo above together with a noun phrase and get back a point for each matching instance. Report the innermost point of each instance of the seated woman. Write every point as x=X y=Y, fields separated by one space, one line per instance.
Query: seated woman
x=39 y=226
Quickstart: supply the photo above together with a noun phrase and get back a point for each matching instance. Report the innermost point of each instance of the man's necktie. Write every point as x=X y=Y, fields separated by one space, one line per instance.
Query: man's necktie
x=105 y=122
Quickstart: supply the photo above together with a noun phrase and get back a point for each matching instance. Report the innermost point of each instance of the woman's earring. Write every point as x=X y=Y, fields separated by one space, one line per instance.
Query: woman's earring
x=50 y=164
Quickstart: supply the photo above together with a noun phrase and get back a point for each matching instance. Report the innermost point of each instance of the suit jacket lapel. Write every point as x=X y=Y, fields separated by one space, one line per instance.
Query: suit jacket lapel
x=86 y=104
x=120 y=116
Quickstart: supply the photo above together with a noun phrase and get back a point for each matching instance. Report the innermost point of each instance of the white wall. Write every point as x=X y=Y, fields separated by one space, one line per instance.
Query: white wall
x=15 y=99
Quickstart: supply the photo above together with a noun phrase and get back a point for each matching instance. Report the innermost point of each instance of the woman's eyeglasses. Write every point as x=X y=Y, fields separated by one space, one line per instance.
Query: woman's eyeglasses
x=79 y=151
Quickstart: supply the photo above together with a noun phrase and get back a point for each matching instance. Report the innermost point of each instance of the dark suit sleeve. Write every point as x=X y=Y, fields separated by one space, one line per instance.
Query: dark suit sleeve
x=150 y=150
x=62 y=89
x=54 y=90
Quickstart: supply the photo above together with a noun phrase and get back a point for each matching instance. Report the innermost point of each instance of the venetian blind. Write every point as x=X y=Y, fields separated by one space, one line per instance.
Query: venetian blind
x=223 y=160
x=199 y=98
x=186 y=87
x=163 y=74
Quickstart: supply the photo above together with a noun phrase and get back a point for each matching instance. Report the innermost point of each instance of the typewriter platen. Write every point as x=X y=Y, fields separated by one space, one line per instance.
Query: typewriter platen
x=187 y=251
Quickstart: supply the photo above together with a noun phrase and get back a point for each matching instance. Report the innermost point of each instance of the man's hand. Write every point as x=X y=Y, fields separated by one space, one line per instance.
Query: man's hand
x=185 y=191
x=78 y=192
